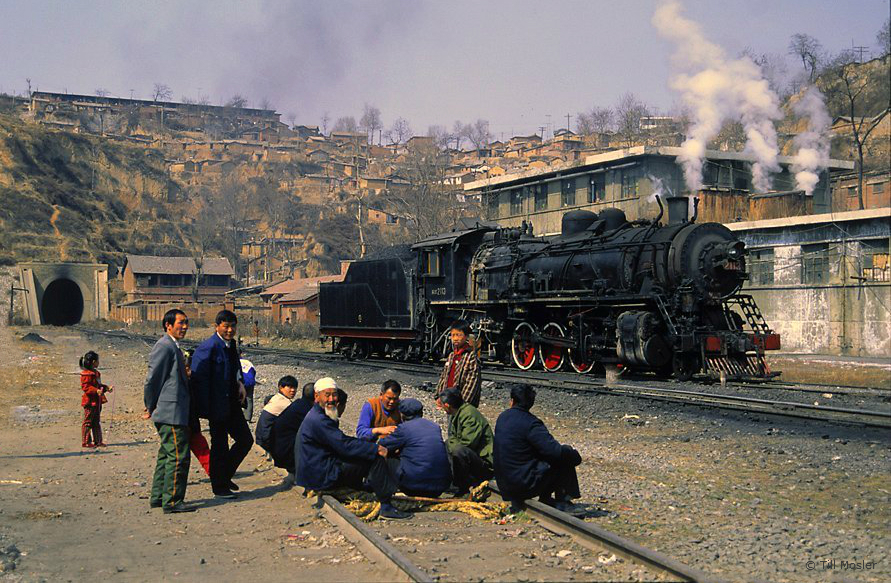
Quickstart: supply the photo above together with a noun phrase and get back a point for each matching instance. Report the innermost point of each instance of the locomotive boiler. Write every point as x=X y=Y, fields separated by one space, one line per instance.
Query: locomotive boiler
x=604 y=292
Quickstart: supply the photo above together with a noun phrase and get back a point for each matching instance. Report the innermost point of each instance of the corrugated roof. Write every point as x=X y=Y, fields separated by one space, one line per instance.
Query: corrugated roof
x=178 y=265
x=300 y=295
x=294 y=284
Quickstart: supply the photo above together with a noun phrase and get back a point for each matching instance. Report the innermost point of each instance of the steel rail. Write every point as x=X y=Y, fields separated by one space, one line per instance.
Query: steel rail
x=596 y=538
x=371 y=543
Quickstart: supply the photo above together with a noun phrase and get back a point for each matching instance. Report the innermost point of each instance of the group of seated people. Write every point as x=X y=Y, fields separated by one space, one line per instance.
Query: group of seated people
x=397 y=449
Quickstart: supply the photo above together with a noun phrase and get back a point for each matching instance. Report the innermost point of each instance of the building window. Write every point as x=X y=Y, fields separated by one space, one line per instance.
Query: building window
x=540 y=193
x=596 y=187
x=761 y=266
x=567 y=197
x=630 y=181
x=878 y=188
x=392 y=219
x=875 y=260
x=815 y=263
x=852 y=191
x=493 y=205
x=516 y=201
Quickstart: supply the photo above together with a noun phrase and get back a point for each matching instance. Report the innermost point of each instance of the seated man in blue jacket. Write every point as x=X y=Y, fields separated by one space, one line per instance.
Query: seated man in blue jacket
x=529 y=462
x=287 y=388
x=285 y=428
x=423 y=465
x=327 y=458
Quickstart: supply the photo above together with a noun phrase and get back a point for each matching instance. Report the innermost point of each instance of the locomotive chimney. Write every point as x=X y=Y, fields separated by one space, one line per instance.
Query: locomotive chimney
x=678 y=209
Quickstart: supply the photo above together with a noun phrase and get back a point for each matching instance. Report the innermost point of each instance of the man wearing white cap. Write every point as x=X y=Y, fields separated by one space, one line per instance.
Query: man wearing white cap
x=327 y=458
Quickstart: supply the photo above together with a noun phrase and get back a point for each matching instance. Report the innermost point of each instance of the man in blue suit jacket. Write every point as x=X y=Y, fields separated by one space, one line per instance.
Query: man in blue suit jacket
x=219 y=393
x=529 y=462
x=327 y=459
x=423 y=465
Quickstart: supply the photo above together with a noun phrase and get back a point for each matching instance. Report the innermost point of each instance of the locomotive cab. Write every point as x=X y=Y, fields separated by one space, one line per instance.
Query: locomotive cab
x=443 y=263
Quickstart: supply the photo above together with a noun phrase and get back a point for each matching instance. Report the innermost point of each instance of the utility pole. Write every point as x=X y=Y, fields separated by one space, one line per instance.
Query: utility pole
x=548 y=115
x=542 y=130
x=858 y=49
x=567 y=121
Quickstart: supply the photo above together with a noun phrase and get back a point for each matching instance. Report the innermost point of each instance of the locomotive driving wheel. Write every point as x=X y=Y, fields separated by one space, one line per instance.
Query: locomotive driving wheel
x=552 y=355
x=580 y=361
x=522 y=346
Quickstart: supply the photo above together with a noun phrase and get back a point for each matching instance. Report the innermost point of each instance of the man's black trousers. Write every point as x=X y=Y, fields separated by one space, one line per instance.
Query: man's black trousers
x=468 y=468
x=224 y=461
x=377 y=474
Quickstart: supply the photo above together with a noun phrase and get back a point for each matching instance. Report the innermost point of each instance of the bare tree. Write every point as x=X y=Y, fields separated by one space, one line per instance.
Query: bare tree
x=597 y=120
x=427 y=204
x=371 y=121
x=325 y=119
x=161 y=92
x=629 y=112
x=864 y=101
x=102 y=92
x=478 y=133
x=399 y=132
x=203 y=100
x=265 y=103
x=809 y=50
x=883 y=39
x=441 y=136
x=346 y=123
x=459 y=133
x=237 y=101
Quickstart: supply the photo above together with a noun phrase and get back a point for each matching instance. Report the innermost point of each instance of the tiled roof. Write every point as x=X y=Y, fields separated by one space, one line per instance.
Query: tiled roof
x=178 y=265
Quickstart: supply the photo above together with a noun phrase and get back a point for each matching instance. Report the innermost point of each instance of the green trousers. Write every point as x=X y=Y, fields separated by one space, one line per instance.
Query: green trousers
x=172 y=467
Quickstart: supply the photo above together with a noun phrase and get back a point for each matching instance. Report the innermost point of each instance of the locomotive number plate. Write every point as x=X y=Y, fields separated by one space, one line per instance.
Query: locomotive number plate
x=438 y=291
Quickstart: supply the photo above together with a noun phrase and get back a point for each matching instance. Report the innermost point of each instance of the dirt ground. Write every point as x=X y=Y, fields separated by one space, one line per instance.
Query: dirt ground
x=68 y=514
x=743 y=497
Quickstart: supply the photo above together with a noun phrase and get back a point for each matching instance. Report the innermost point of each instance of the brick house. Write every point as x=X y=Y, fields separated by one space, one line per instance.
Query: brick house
x=148 y=278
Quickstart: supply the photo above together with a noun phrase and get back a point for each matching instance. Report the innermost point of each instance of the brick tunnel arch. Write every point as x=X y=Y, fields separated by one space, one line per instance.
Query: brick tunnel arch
x=62 y=304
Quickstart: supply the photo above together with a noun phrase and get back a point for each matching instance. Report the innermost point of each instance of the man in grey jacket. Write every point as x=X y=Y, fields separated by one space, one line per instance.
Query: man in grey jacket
x=167 y=400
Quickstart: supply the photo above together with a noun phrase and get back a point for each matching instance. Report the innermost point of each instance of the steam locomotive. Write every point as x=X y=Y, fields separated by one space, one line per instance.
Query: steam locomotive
x=604 y=292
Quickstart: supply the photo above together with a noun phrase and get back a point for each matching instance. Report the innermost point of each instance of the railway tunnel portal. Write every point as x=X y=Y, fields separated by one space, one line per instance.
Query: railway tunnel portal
x=62 y=294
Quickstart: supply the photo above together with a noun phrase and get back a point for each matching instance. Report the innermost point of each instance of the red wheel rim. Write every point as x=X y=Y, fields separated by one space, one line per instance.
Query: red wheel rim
x=523 y=347
x=552 y=356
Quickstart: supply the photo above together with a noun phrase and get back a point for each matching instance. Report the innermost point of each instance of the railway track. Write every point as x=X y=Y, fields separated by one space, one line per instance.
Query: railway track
x=663 y=391
x=383 y=550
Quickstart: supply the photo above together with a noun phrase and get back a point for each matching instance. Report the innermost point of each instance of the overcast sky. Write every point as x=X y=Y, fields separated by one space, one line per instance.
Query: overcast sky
x=513 y=63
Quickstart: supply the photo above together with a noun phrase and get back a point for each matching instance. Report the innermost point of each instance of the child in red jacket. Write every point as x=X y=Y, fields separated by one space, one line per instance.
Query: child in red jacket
x=92 y=399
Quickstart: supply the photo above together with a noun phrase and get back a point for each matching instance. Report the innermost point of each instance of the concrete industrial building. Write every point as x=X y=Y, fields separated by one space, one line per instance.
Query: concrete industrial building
x=824 y=281
x=628 y=178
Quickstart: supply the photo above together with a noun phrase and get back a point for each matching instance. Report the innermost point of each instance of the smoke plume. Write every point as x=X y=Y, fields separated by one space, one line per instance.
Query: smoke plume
x=718 y=89
x=812 y=144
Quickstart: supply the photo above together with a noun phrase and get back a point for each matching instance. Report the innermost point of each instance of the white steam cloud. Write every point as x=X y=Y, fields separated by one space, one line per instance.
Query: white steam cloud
x=719 y=89
x=812 y=144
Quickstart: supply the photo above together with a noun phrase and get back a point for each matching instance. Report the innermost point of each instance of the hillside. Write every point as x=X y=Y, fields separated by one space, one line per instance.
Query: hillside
x=68 y=197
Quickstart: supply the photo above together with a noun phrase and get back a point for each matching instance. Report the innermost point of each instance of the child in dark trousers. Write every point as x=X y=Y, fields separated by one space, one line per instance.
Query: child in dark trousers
x=92 y=399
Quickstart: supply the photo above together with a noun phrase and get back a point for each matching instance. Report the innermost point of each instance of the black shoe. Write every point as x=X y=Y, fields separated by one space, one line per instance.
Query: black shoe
x=154 y=504
x=228 y=494
x=233 y=486
x=390 y=511
x=462 y=493
x=569 y=508
x=178 y=508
